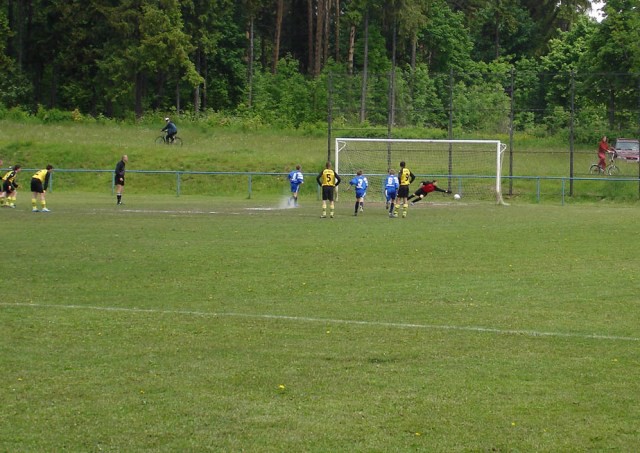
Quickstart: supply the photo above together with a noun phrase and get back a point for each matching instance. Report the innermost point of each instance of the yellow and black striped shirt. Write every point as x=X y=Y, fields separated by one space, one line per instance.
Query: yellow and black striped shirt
x=43 y=175
x=406 y=177
x=328 y=177
x=10 y=176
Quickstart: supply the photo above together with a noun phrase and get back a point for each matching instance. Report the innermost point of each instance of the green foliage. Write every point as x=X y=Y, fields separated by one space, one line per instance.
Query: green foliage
x=423 y=103
x=557 y=120
x=447 y=43
x=15 y=88
x=283 y=99
x=481 y=108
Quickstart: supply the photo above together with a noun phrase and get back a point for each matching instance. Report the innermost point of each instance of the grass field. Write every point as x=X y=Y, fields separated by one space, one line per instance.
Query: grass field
x=227 y=324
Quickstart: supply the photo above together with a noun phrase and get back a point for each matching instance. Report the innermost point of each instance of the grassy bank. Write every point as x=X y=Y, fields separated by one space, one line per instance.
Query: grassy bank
x=98 y=146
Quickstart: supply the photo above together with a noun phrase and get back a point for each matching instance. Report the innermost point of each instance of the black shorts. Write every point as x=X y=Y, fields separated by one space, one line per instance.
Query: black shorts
x=7 y=187
x=327 y=193
x=119 y=183
x=403 y=191
x=36 y=185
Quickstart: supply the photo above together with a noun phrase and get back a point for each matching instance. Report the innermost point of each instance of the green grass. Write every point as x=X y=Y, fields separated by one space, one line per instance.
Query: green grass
x=216 y=323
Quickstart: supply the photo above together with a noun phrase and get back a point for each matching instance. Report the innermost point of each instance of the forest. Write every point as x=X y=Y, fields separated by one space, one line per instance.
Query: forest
x=468 y=64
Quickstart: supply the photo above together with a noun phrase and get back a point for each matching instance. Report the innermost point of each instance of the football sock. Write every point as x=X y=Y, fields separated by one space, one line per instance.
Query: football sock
x=392 y=207
x=33 y=203
x=119 y=197
x=356 y=207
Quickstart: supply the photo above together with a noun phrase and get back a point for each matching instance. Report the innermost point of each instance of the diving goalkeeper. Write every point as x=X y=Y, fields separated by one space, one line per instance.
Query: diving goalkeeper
x=426 y=187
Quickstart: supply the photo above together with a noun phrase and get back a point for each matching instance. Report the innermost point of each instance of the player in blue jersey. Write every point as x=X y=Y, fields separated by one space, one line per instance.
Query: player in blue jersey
x=296 y=179
x=391 y=184
x=361 y=183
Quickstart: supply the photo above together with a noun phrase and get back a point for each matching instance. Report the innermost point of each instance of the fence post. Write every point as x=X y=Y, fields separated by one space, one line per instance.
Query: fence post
x=450 y=125
x=250 y=181
x=329 y=113
x=571 y=132
x=178 y=179
x=512 y=107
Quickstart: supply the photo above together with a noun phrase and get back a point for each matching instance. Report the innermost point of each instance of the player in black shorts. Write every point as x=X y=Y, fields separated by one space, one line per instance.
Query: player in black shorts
x=119 y=178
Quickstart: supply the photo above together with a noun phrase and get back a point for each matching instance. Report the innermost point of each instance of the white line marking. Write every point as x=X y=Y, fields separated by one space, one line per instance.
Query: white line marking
x=527 y=333
x=158 y=211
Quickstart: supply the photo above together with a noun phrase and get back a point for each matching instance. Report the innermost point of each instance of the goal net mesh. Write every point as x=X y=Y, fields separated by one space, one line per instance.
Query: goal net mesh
x=471 y=168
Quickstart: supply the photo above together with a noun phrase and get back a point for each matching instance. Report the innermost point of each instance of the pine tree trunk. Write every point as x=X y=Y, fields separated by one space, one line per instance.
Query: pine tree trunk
x=139 y=90
x=351 y=50
x=196 y=90
x=337 y=35
x=250 y=65
x=276 y=40
x=363 y=94
x=317 y=65
x=310 y=36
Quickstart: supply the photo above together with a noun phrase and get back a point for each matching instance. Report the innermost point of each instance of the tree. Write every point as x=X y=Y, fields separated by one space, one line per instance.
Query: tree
x=147 y=43
x=613 y=56
x=444 y=41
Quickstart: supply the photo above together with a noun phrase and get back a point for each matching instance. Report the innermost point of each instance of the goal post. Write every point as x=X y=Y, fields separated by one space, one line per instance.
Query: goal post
x=472 y=168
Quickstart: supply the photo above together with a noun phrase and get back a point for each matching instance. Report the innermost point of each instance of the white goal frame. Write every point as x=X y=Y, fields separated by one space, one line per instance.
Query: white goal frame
x=341 y=143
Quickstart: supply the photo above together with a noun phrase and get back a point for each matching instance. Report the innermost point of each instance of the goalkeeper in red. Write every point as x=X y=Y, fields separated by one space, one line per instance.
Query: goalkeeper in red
x=426 y=187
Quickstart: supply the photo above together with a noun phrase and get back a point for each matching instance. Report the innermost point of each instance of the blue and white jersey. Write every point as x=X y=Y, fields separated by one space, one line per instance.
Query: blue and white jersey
x=391 y=185
x=361 y=183
x=295 y=178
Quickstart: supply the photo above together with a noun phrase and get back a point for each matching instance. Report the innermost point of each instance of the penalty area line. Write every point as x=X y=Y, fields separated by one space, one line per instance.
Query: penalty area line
x=399 y=325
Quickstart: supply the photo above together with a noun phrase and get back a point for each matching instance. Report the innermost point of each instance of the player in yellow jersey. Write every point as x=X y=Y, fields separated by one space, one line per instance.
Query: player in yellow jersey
x=39 y=186
x=405 y=178
x=9 y=186
x=329 y=180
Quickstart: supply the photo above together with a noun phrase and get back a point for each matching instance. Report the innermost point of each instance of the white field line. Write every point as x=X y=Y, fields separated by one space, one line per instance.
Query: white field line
x=398 y=325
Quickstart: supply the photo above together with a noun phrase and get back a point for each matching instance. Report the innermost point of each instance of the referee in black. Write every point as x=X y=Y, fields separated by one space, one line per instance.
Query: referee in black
x=119 y=177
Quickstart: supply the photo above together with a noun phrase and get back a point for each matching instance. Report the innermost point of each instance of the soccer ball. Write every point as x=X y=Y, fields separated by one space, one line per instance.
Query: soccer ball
x=456 y=197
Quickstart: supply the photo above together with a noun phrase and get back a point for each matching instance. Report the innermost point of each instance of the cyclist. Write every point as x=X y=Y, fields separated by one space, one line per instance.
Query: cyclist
x=171 y=130
x=603 y=149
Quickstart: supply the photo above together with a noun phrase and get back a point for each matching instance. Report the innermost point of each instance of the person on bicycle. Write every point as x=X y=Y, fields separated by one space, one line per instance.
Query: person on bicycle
x=171 y=130
x=603 y=149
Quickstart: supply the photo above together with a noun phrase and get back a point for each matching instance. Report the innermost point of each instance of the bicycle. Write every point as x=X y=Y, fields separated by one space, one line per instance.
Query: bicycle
x=162 y=140
x=611 y=170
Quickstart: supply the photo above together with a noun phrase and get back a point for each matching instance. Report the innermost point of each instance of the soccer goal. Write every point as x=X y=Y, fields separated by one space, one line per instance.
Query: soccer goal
x=471 y=168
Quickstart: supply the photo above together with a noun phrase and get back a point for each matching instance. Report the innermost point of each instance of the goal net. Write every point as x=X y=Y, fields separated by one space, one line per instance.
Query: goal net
x=471 y=168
